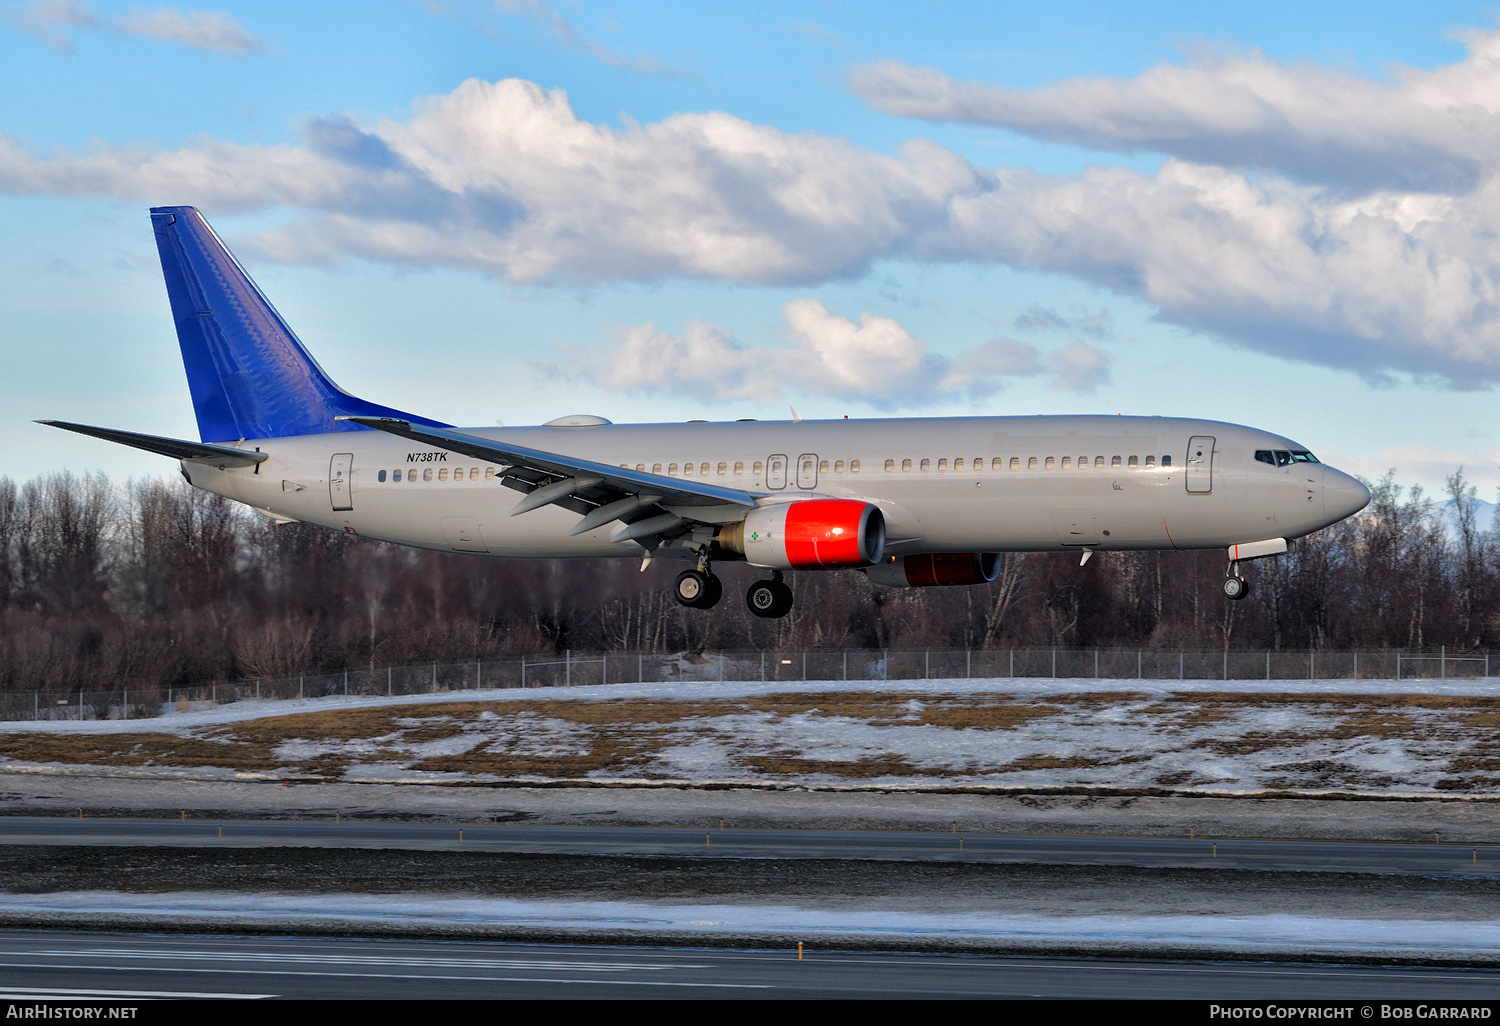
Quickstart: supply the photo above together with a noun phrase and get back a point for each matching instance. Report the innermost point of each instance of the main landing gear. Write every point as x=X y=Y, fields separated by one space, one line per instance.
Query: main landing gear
x=698 y=588
x=770 y=599
x=1235 y=586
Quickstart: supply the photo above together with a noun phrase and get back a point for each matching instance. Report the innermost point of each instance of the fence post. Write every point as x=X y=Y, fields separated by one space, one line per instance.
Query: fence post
x=640 y=672
x=388 y=685
x=1398 y=664
x=567 y=667
x=762 y=666
x=299 y=686
x=479 y=675
x=804 y=666
x=1096 y=663
x=604 y=668
x=846 y=664
x=214 y=692
x=346 y=682
x=1356 y=664
x=1312 y=664
x=1054 y=662
x=434 y=675
x=125 y=704
x=1181 y=658
x=36 y=705
x=968 y=663
x=523 y=671
x=1443 y=662
x=1268 y=664
x=1012 y=663
x=1138 y=666
x=80 y=705
x=926 y=665
x=1226 y=662
x=1486 y=662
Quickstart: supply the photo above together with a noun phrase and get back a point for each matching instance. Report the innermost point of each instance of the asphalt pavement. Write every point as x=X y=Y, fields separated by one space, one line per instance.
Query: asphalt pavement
x=717 y=843
x=64 y=965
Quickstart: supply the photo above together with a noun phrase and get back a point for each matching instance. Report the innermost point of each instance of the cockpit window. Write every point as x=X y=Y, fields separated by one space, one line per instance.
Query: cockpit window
x=1284 y=457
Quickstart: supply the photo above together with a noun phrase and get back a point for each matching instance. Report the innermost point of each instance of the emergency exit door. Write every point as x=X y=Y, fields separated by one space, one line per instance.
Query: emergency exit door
x=339 y=470
x=1200 y=464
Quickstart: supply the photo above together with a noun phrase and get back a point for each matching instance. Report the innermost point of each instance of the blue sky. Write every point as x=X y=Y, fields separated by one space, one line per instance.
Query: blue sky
x=1278 y=215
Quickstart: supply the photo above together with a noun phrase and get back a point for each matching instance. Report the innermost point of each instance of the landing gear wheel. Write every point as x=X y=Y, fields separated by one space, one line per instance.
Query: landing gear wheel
x=769 y=599
x=696 y=589
x=1236 y=588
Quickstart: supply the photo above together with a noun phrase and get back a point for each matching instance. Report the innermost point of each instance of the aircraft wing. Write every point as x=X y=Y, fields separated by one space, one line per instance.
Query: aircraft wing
x=199 y=452
x=601 y=491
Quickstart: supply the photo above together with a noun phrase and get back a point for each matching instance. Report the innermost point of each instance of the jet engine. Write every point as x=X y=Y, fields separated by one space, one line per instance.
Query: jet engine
x=936 y=569
x=813 y=534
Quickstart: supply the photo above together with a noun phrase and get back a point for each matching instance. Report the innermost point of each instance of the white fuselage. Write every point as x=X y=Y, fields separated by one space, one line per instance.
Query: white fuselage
x=968 y=484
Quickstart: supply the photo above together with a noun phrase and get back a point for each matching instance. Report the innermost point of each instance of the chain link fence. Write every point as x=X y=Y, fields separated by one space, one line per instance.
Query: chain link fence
x=578 y=669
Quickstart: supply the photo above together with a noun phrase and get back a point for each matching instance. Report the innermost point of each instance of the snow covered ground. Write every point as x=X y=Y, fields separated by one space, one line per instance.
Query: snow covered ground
x=1280 y=934
x=1369 y=737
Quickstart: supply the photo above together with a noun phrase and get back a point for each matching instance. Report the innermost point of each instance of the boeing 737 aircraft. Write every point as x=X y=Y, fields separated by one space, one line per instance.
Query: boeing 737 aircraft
x=910 y=502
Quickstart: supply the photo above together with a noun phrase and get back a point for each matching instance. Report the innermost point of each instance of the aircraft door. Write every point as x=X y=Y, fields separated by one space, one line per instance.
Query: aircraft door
x=1200 y=464
x=776 y=471
x=807 y=471
x=340 y=472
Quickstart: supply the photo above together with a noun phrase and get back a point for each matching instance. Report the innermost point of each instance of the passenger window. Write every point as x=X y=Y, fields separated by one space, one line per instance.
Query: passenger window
x=854 y=466
x=739 y=468
x=656 y=468
x=687 y=470
x=1083 y=463
x=958 y=464
x=427 y=474
x=838 y=466
x=1098 y=462
x=756 y=471
x=1031 y=463
x=723 y=469
x=381 y=476
x=1015 y=463
x=640 y=467
x=906 y=466
x=942 y=464
x=1114 y=461
x=926 y=465
x=1166 y=461
x=703 y=470
x=1067 y=463
x=1150 y=462
x=823 y=467
x=443 y=474
x=672 y=470
x=1134 y=462
x=1050 y=462
x=890 y=465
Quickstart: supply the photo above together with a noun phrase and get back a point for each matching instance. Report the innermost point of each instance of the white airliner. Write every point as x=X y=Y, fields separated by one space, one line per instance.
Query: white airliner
x=910 y=502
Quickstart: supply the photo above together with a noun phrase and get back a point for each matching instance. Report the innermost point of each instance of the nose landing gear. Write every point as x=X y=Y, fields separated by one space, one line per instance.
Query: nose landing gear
x=769 y=599
x=1235 y=586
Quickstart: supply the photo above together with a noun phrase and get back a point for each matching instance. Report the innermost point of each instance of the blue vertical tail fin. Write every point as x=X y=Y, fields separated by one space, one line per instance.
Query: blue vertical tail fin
x=249 y=375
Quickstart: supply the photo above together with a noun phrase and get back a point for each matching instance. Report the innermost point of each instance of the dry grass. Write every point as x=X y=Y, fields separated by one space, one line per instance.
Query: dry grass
x=626 y=737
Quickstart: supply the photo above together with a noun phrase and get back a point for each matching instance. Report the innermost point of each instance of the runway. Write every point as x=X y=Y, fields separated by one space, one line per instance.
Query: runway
x=715 y=843
x=60 y=965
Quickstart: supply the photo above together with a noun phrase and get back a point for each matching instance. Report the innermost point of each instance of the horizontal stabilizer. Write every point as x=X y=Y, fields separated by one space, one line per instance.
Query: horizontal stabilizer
x=199 y=452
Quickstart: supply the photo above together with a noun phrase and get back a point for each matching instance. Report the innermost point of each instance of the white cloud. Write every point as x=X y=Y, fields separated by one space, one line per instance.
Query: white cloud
x=505 y=178
x=1424 y=130
x=1079 y=367
x=52 y=20
x=211 y=32
x=874 y=360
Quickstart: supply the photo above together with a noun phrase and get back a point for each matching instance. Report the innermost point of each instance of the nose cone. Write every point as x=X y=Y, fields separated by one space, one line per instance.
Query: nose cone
x=1343 y=496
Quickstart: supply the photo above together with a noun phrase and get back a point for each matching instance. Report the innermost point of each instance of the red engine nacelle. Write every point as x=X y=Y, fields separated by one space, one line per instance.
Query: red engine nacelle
x=814 y=534
x=936 y=569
